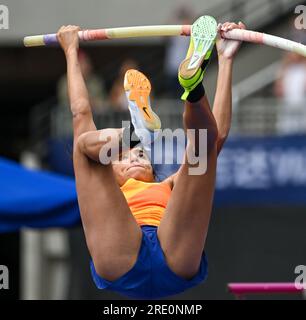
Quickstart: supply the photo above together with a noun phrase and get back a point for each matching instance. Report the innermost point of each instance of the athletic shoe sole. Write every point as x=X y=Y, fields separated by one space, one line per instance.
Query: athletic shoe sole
x=138 y=89
x=203 y=38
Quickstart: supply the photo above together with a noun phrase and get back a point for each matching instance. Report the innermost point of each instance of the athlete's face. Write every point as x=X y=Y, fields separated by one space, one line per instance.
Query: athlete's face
x=135 y=164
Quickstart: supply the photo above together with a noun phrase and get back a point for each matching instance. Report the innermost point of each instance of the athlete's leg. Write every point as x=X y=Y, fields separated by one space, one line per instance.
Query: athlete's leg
x=112 y=234
x=183 y=228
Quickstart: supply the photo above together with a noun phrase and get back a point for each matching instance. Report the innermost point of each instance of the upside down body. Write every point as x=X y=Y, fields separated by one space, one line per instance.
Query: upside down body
x=147 y=239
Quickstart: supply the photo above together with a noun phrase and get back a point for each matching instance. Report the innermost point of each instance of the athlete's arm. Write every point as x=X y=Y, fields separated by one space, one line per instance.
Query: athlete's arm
x=77 y=91
x=222 y=108
x=92 y=142
x=107 y=142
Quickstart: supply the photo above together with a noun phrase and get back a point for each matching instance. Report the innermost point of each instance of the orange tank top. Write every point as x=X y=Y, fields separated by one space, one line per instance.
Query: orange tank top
x=146 y=200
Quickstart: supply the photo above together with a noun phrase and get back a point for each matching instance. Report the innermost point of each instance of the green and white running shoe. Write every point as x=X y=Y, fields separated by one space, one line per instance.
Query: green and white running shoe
x=202 y=40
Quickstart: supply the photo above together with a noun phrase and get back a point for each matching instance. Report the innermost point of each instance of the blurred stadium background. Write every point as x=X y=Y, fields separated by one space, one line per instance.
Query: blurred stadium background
x=257 y=229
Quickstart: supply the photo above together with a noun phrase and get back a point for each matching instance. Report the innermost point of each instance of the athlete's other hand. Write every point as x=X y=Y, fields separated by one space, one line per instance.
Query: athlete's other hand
x=68 y=38
x=228 y=48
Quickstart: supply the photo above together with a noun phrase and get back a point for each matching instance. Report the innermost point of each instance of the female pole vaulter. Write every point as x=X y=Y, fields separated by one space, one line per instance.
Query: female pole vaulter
x=147 y=239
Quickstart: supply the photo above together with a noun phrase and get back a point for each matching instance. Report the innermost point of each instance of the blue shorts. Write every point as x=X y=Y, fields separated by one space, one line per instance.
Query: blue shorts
x=150 y=277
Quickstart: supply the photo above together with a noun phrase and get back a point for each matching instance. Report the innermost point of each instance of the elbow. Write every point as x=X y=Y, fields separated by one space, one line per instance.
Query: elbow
x=220 y=142
x=80 y=107
x=222 y=137
x=223 y=132
x=91 y=144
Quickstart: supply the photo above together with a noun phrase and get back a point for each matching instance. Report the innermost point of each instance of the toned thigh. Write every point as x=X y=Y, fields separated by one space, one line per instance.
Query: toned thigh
x=183 y=228
x=112 y=233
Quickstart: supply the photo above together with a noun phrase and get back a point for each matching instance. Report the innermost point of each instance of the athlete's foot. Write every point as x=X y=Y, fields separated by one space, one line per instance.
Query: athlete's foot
x=138 y=88
x=146 y=123
x=202 y=40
